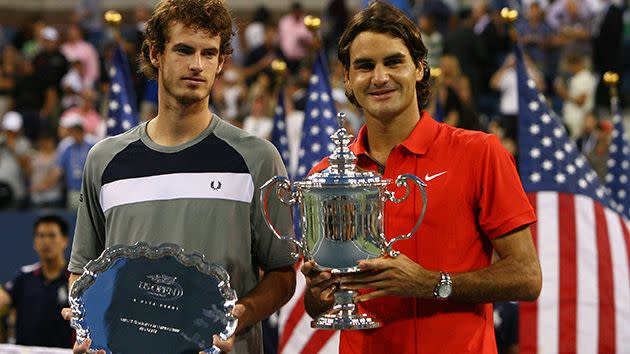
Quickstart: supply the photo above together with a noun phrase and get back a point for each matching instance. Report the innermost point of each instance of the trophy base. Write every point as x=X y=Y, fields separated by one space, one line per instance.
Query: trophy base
x=344 y=315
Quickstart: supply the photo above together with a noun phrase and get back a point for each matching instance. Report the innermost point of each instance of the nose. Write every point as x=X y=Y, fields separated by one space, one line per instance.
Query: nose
x=195 y=63
x=379 y=75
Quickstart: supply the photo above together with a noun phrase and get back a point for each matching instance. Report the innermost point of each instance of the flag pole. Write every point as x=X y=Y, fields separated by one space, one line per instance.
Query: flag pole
x=611 y=79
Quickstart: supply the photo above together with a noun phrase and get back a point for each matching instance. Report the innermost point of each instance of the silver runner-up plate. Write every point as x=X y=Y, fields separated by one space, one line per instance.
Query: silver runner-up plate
x=143 y=299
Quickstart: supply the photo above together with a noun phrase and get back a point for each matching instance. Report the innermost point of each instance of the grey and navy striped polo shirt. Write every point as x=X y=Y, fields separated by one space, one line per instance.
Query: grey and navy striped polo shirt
x=202 y=195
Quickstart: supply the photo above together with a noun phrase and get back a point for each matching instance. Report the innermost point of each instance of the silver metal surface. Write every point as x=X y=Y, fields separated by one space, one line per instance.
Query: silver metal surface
x=341 y=219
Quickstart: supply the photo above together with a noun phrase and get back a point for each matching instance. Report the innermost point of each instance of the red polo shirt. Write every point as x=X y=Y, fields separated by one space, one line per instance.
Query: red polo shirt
x=474 y=195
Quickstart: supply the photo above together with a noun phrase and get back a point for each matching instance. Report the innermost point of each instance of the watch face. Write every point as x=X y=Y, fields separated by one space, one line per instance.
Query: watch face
x=444 y=290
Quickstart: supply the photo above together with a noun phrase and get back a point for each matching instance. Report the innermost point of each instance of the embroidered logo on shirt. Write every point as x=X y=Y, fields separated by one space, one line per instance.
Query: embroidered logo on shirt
x=427 y=178
x=215 y=185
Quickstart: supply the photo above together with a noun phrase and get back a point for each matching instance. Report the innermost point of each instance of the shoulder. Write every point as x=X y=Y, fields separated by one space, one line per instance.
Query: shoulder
x=244 y=142
x=110 y=146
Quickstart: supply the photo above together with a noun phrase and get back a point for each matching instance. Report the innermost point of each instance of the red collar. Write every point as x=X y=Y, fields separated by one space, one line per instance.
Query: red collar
x=418 y=141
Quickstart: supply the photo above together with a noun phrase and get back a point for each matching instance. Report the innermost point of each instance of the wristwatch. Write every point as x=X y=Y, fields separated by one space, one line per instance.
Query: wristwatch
x=444 y=287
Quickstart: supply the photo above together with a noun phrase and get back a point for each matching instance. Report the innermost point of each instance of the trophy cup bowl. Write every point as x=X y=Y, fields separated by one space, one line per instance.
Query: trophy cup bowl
x=341 y=218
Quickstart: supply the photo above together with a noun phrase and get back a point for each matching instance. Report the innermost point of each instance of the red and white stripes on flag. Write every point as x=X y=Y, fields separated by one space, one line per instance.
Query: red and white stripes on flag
x=584 y=306
x=294 y=326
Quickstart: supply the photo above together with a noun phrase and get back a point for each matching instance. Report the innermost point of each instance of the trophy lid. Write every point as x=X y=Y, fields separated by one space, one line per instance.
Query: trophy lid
x=342 y=169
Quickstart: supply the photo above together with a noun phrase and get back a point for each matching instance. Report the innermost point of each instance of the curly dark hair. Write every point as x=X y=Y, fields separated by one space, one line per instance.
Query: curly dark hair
x=205 y=15
x=381 y=17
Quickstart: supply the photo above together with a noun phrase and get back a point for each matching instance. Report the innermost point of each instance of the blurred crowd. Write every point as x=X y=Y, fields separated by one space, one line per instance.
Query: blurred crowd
x=54 y=83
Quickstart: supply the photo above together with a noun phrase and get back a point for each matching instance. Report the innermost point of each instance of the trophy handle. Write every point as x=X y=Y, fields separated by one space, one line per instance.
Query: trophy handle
x=283 y=185
x=402 y=181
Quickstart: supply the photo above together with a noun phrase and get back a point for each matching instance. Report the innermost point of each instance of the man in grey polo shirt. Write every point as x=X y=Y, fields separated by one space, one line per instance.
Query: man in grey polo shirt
x=188 y=177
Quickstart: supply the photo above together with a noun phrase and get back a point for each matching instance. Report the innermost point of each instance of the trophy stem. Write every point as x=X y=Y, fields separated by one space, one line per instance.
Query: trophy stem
x=345 y=315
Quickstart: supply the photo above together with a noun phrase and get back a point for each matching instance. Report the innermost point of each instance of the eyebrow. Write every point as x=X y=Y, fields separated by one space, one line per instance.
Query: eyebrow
x=186 y=46
x=360 y=61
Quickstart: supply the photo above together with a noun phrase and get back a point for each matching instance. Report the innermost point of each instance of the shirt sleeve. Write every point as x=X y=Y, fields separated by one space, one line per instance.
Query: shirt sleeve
x=503 y=205
x=268 y=250
x=89 y=233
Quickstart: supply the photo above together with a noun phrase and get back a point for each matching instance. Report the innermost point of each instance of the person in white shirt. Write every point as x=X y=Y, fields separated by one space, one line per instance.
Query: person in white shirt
x=578 y=94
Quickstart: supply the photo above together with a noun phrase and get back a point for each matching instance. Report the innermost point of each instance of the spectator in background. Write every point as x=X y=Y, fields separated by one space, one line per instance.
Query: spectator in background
x=432 y=38
x=258 y=123
x=535 y=35
x=93 y=124
x=493 y=39
x=75 y=49
x=12 y=184
x=295 y=38
x=72 y=159
x=89 y=15
x=470 y=52
x=578 y=94
x=8 y=68
x=72 y=84
x=258 y=59
x=229 y=95
x=28 y=38
x=50 y=64
x=589 y=134
x=12 y=137
x=255 y=30
x=571 y=22
x=336 y=16
x=45 y=185
x=505 y=82
x=598 y=156
x=40 y=290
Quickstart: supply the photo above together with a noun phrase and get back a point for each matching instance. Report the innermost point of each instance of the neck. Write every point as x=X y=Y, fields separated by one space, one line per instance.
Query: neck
x=177 y=124
x=383 y=136
x=51 y=268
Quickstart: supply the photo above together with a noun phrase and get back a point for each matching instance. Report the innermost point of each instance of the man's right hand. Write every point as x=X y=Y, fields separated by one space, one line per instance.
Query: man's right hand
x=84 y=347
x=321 y=287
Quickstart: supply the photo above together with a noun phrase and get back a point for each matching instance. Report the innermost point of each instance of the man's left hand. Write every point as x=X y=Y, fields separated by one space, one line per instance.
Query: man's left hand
x=398 y=276
x=226 y=345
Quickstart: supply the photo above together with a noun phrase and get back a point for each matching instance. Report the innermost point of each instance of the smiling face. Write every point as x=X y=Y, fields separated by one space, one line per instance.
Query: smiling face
x=382 y=76
x=189 y=64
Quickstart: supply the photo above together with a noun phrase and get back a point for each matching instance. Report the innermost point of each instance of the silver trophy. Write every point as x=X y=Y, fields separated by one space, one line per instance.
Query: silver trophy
x=341 y=218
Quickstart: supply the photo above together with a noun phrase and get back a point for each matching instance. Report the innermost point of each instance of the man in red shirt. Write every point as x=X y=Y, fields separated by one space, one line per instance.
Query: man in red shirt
x=436 y=296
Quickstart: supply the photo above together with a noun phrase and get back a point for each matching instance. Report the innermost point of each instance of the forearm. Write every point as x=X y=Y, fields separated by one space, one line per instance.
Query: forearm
x=274 y=290
x=73 y=277
x=505 y=280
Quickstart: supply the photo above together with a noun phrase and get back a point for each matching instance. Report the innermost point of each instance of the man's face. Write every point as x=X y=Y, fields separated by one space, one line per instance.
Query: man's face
x=49 y=242
x=382 y=76
x=189 y=64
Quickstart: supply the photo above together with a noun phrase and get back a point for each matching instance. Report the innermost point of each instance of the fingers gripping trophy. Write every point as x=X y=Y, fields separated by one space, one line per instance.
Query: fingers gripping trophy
x=341 y=218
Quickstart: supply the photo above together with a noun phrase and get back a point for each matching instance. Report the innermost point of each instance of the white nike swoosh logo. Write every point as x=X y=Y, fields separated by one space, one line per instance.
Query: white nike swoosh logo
x=428 y=178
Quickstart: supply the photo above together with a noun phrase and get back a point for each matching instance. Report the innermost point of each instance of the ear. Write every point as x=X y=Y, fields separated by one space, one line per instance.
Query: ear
x=154 y=56
x=221 y=63
x=420 y=71
x=346 y=79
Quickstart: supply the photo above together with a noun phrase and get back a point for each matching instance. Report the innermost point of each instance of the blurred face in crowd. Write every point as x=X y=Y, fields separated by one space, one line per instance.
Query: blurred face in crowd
x=382 y=76
x=74 y=33
x=535 y=12
x=189 y=64
x=49 y=242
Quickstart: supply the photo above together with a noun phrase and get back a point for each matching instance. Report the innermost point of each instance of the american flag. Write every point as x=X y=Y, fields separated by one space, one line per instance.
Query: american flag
x=582 y=243
x=121 y=113
x=617 y=180
x=279 y=133
x=296 y=334
x=319 y=120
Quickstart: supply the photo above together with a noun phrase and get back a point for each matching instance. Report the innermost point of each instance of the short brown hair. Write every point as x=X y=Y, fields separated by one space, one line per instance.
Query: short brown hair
x=381 y=17
x=205 y=15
